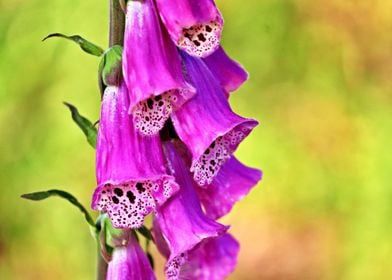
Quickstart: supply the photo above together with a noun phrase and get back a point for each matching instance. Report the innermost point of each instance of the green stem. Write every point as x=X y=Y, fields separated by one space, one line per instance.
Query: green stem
x=102 y=266
x=116 y=37
x=117 y=23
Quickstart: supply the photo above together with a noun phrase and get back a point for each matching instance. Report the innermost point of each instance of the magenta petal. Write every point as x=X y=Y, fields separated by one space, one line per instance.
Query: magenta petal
x=195 y=26
x=206 y=123
x=131 y=173
x=151 y=68
x=213 y=259
x=180 y=220
x=129 y=263
x=230 y=74
x=232 y=183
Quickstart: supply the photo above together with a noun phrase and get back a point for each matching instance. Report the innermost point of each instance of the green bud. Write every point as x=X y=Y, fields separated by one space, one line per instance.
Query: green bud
x=85 y=45
x=110 y=66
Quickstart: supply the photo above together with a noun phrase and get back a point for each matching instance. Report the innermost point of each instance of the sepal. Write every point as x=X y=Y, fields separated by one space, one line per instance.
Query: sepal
x=114 y=237
x=84 y=124
x=37 y=196
x=85 y=45
x=110 y=66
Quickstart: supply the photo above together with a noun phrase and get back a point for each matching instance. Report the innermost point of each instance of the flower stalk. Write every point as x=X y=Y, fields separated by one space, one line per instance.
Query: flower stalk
x=116 y=37
x=116 y=23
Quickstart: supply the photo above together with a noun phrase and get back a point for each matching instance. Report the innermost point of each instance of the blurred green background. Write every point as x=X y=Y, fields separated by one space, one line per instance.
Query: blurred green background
x=320 y=85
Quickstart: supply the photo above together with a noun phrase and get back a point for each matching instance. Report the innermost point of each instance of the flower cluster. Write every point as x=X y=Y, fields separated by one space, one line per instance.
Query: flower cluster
x=166 y=140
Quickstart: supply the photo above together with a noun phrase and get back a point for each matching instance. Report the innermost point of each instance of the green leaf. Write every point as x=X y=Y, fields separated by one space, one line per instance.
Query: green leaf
x=37 y=196
x=85 y=45
x=110 y=66
x=85 y=125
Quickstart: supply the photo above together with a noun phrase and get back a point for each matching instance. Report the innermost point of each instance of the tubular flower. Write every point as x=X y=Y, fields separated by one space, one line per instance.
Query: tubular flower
x=206 y=123
x=151 y=68
x=129 y=262
x=180 y=222
x=232 y=183
x=230 y=74
x=130 y=168
x=195 y=26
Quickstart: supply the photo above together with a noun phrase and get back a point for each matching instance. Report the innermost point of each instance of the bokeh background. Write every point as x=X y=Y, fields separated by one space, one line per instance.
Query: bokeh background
x=320 y=85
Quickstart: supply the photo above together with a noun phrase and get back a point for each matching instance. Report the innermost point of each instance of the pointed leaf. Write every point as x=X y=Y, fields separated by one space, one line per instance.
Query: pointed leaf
x=37 y=196
x=85 y=125
x=85 y=45
x=101 y=84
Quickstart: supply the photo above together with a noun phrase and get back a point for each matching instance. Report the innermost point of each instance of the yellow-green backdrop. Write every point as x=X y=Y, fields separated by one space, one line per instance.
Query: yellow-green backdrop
x=320 y=84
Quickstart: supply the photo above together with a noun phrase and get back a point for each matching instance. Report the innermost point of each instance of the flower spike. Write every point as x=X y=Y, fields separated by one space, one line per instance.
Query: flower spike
x=130 y=168
x=206 y=124
x=151 y=69
x=194 y=25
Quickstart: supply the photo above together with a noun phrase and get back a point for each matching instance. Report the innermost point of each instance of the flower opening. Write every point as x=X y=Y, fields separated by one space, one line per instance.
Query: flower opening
x=194 y=26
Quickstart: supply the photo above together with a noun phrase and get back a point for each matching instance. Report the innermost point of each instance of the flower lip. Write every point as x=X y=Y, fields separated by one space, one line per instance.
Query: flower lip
x=231 y=184
x=230 y=74
x=208 y=164
x=151 y=114
x=195 y=26
x=213 y=258
x=201 y=39
x=129 y=202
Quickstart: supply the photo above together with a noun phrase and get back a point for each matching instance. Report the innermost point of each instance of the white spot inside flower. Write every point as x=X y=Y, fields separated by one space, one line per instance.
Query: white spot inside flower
x=202 y=39
x=128 y=204
x=150 y=115
x=173 y=267
x=208 y=165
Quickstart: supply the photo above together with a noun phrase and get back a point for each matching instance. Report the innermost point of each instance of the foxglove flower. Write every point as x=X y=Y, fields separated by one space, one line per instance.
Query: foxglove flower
x=231 y=184
x=180 y=222
x=151 y=69
x=194 y=25
x=206 y=123
x=129 y=262
x=131 y=174
x=230 y=74
x=213 y=259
